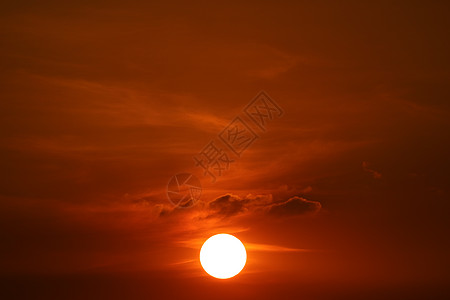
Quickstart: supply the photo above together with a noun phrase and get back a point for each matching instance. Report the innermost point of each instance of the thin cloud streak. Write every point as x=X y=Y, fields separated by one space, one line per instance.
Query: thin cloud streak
x=275 y=248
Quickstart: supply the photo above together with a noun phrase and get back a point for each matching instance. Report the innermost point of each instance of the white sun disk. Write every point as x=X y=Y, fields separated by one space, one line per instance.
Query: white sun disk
x=223 y=256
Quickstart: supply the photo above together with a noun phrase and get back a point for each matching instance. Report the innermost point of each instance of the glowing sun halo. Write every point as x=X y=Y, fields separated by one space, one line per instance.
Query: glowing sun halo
x=223 y=256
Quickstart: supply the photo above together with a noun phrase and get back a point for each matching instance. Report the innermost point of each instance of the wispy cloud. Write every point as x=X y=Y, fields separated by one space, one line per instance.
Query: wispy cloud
x=274 y=248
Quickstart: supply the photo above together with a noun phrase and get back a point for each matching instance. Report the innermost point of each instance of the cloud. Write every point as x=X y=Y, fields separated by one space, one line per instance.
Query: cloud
x=273 y=248
x=231 y=205
x=228 y=205
x=375 y=174
x=295 y=206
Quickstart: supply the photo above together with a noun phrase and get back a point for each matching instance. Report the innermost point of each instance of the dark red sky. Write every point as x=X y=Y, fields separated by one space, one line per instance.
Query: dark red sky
x=344 y=196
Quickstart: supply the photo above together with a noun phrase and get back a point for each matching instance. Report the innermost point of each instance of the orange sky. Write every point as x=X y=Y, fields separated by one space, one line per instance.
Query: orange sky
x=344 y=196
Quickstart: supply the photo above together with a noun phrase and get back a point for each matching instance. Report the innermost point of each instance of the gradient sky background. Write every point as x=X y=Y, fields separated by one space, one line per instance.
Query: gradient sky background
x=344 y=196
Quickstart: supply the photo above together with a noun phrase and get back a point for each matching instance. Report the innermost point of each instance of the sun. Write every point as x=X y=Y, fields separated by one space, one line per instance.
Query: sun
x=223 y=256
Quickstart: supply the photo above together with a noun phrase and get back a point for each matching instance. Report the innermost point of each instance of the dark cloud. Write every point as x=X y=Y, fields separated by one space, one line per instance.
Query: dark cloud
x=228 y=205
x=295 y=206
x=231 y=205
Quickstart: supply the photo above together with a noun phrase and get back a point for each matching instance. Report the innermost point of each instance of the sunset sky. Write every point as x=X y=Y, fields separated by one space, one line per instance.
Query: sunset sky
x=344 y=195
